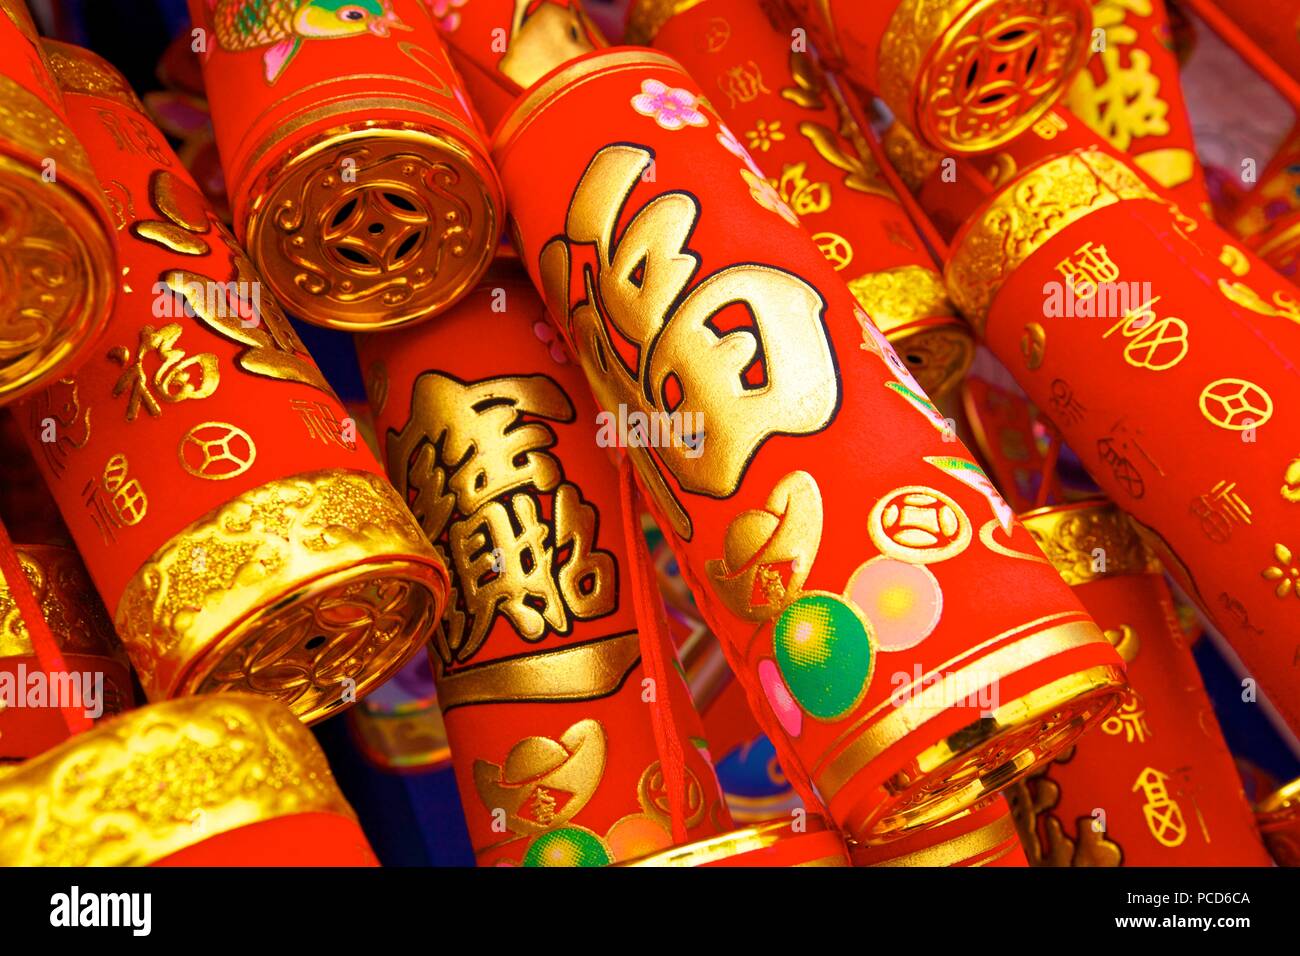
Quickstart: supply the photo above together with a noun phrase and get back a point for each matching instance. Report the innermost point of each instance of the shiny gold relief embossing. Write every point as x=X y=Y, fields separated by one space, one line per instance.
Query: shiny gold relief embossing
x=768 y=552
x=543 y=783
x=543 y=36
x=473 y=463
x=177 y=377
x=773 y=375
x=160 y=778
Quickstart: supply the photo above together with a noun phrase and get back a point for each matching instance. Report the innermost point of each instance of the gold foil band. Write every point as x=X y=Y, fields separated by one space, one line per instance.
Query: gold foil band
x=310 y=589
x=734 y=843
x=73 y=610
x=161 y=778
x=1278 y=816
x=961 y=849
x=80 y=71
x=1089 y=540
x=1037 y=205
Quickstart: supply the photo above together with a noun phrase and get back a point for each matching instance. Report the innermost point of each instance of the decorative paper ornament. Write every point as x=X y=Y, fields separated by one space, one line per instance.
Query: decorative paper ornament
x=538 y=660
x=1179 y=406
x=500 y=47
x=784 y=120
x=233 y=780
x=779 y=843
x=1278 y=816
x=57 y=266
x=692 y=301
x=1128 y=92
x=364 y=195
x=1154 y=785
x=964 y=75
x=98 y=670
x=982 y=836
x=241 y=536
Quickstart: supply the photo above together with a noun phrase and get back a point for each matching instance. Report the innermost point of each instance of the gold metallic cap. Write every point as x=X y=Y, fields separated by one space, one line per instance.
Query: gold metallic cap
x=372 y=225
x=1088 y=540
x=970 y=75
x=57 y=261
x=910 y=306
x=645 y=18
x=312 y=589
x=155 y=780
x=1017 y=221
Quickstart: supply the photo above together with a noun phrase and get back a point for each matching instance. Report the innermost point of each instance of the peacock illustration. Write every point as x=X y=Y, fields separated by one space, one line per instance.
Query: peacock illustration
x=283 y=25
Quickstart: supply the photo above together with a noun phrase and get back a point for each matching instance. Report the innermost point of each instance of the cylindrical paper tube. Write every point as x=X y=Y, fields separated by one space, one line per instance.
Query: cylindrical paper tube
x=98 y=674
x=356 y=168
x=869 y=586
x=1128 y=92
x=501 y=47
x=779 y=843
x=1273 y=26
x=1154 y=785
x=209 y=781
x=1180 y=410
x=56 y=253
x=241 y=535
x=784 y=119
x=982 y=836
x=965 y=75
x=1278 y=816
x=490 y=432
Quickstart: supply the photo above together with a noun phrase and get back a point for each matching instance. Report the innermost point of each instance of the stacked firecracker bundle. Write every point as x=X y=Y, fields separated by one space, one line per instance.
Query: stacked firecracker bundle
x=808 y=433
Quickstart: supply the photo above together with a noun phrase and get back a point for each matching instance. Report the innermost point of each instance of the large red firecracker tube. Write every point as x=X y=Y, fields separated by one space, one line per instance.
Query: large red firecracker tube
x=235 y=527
x=1154 y=785
x=490 y=432
x=234 y=780
x=1272 y=25
x=712 y=329
x=784 y=119
x=1129 y=93
x=1233 y=274
x=97 y=666
x=1178 y=407
x=501 y=47
x=56 y=252
x=964 y=75
x=982 y=836
x=356 y=166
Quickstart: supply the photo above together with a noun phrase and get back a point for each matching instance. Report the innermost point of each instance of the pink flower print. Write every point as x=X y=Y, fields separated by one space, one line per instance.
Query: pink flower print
x=546 y=333
x=671 y=108
x=444 y=12
x=765 y=195
x=734 y=146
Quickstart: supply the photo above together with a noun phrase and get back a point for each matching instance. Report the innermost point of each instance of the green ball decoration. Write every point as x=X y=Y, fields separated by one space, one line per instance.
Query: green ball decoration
x=568 y=846
x=824 y=652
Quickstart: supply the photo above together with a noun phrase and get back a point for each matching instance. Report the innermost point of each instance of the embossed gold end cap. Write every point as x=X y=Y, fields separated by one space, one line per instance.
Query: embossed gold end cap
x=645 y=18
x=58 y=265
x=377 y=224
x=970 y=75
x=1040 y=202
x=76 y=616
x=161 y=778
x=312 y=589
x=822 y=847
x=1088 y=540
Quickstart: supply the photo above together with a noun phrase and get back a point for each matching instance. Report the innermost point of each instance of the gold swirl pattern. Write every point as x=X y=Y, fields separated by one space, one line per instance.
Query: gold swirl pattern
x=311 y=589
x=970 y=75
x=1089 y=540
x=80 y=71
x=1040 y=203
x=364 y=228
x=162 y=778
x=913 y=162
x=72 y=608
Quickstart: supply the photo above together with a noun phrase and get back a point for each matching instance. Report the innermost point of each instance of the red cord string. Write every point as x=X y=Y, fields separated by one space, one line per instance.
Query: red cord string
x=44 y=645
x=652 y=631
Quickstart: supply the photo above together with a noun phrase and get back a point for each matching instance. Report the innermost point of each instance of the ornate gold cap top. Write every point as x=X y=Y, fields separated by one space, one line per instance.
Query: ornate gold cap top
x=1088 y=540
x=161 y=778
x=645 y=18
x=1284 y=800
x=78 y=70
x=1017 y=221
x=970 y=75
x=76 y=616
